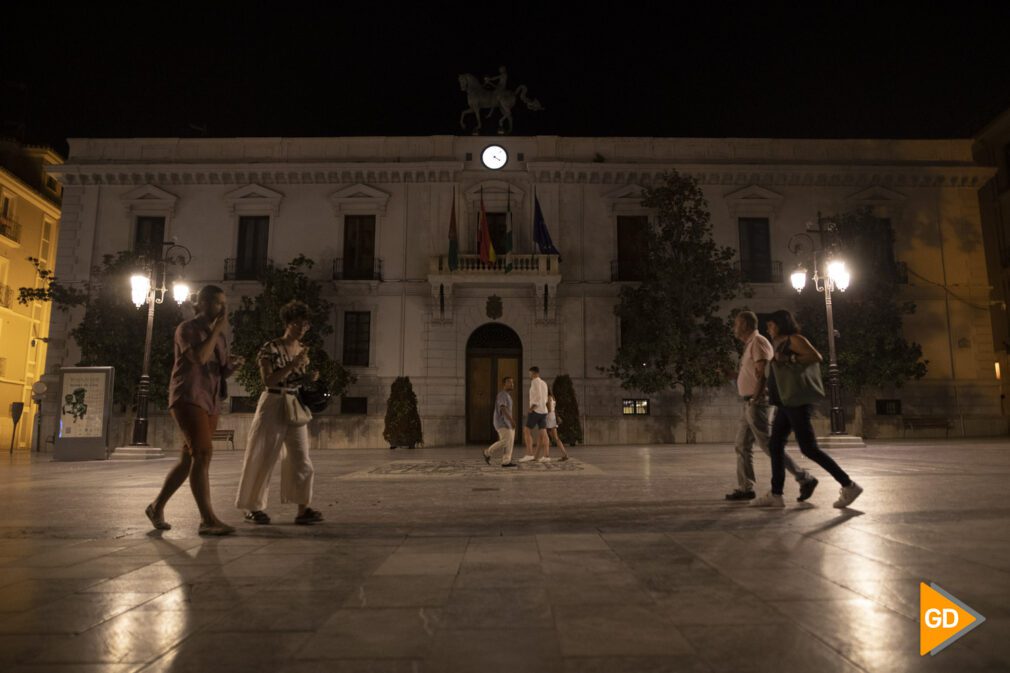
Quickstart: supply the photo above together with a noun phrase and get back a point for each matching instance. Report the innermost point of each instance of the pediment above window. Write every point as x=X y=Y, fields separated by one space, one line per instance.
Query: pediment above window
x=149 y=199
x=877 y=195
x=359 y=198
x=626 y=199
x=753 y=200
x=254 y=199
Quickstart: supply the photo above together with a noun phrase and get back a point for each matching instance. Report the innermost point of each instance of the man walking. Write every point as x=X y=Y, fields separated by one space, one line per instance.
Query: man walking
x=536 y=419
x=750 y=383
x=504 y=424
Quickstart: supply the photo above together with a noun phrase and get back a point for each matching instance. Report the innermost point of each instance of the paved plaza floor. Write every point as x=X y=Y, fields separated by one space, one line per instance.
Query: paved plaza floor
x=623 y=559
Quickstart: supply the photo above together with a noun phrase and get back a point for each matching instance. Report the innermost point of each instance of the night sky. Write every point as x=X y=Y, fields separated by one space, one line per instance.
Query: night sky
x=297 y=69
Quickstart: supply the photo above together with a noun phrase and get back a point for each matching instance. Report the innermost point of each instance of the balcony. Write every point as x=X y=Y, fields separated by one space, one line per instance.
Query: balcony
x=10 y=229
x=760 y=272
x=6 y=296
x=245 y=269
x=512 y=265
x=357 y=269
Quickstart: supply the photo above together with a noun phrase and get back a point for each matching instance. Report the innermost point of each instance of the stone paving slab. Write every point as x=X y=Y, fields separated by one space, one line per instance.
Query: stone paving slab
x=622 y=559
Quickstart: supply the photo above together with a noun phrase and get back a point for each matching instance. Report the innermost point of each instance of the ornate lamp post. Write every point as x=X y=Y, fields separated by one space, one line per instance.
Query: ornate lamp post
x=834 y=277
x=150 y=287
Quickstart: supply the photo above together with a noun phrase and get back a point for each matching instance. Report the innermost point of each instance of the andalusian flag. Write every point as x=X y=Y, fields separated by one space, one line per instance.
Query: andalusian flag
x=484 y=247
x=453 y=237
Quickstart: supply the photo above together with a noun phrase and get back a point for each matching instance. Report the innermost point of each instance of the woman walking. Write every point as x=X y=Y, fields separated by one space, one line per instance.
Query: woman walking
x=792 y=348
x=202 y=363
x=552 y=430
x=282 y=363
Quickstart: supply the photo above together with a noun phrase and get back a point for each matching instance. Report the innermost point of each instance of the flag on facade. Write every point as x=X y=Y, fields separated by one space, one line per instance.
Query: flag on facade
x=541 y=236
x=485 y=249
x=507 y=243
x=453 y=237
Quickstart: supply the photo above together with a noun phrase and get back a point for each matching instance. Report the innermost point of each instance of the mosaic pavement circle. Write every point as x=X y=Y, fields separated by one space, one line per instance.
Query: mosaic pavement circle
x=455 y=469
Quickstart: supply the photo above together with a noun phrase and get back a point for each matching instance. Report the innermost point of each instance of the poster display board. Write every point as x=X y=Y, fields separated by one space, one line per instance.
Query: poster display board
x=84 y=413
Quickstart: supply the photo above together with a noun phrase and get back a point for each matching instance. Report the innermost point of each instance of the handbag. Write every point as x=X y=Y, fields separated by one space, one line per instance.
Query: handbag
x=798 y=384
x=315 y=397
x=295 y=412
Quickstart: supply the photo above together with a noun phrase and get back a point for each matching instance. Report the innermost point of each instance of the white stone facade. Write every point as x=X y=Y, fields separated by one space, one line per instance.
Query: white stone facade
x=422 y=317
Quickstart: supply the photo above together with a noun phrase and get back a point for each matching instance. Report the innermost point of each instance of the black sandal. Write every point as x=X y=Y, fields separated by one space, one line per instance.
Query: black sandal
x=258 y=517
x=309 y=516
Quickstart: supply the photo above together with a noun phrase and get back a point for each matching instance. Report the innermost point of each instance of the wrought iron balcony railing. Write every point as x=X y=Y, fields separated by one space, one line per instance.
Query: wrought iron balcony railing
x=760 y=272
x=348 y=269
x=10 y=228
x=245 y=269
x=525 y=265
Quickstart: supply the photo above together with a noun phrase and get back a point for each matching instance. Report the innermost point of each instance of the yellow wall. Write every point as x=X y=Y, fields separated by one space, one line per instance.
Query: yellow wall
x=22 y=351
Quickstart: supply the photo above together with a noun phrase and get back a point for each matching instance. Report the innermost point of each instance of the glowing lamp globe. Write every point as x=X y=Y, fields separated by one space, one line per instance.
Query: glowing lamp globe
x=140 y=287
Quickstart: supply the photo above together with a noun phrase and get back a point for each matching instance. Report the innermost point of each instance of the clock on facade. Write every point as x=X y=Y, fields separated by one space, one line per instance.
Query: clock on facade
x=494 y=157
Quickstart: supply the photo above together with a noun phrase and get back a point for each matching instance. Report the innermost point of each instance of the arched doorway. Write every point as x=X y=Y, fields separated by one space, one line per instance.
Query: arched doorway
x=493 y=352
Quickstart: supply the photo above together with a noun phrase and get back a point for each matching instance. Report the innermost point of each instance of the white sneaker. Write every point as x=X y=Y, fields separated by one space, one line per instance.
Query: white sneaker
x=545 y=459
x=847 y=495
x=525 y=459
x=769 y=499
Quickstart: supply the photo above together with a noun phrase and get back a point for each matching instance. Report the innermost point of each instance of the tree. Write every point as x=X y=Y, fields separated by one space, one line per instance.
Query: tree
x=673 y=336
x=112 y=329
x=403 y=422
x=567 y=409
x=874 y=354
x=258 y=321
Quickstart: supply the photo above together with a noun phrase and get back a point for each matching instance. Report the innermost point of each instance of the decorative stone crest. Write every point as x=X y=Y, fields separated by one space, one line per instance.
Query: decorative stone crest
x=494 y=307
x=491 y=94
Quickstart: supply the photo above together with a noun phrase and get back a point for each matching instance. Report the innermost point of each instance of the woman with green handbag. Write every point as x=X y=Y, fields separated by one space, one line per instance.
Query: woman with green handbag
x=793 y=387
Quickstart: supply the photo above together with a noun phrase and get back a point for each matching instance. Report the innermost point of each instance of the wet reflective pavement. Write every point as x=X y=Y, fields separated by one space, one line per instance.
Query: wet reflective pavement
x=624 y=559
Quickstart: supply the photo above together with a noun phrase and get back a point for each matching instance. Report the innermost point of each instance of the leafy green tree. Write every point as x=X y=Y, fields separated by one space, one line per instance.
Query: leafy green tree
x=567 y=409
x=871 y=349
x=112 y=329
x=673 y=336
x=258 y=320
x=403 y=422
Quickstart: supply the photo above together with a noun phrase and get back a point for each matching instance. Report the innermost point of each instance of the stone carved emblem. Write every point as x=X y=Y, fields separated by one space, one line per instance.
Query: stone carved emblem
x=494 y=307
x=490 y=94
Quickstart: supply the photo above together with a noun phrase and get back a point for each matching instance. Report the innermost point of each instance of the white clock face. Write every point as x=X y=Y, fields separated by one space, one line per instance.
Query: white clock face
x=494 y=157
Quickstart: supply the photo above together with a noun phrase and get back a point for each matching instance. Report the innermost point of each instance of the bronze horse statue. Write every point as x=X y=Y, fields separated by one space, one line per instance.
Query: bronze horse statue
x=480 y=98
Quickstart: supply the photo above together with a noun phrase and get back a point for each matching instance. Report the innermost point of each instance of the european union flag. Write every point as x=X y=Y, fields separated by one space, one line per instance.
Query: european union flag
x=541 y=236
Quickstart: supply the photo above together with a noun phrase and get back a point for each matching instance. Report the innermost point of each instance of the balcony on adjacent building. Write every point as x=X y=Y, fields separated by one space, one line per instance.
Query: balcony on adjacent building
x=10 y=229
x=350 y=269
x=245 y=269
x=754 y=271
x=513 y=265
x=6 y=296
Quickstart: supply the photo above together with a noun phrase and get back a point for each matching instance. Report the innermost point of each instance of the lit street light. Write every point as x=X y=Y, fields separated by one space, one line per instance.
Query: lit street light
x=837 y=277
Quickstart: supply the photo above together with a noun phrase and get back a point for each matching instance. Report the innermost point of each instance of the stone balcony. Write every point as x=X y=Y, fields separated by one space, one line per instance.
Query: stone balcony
x=540 y=273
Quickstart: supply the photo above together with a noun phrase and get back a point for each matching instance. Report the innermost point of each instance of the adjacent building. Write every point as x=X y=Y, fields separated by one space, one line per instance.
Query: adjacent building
x=29 y=225
x=374 y=213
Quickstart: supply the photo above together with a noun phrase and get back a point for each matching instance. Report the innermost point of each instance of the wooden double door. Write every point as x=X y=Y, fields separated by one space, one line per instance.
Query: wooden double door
x=491 y=356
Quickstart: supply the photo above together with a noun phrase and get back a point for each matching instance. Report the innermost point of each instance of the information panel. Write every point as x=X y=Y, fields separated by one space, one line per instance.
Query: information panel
x=84 y=413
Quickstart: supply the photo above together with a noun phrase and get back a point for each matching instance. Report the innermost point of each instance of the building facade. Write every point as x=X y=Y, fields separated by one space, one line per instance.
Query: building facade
x=29 y=226
x=374 y=213
x=992 y=148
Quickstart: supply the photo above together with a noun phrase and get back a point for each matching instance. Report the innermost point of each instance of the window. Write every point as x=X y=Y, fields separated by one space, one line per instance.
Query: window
x=497 y=226
x=636 y=407
x=7 y=206
x=359 y=247
x=149 y=235
x=357 y=334
x=889 y=407
x=631 y=242
x=51 y=184
x=6 y=293
x=755 y=249
x=354 y=405
x=253 y=237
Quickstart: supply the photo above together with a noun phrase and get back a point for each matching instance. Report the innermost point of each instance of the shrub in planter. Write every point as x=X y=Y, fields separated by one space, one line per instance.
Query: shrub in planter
x=403 y=422
x=567 y=409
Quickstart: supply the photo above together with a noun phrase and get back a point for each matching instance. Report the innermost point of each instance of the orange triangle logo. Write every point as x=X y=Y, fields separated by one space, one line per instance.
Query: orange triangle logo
x=942 y=619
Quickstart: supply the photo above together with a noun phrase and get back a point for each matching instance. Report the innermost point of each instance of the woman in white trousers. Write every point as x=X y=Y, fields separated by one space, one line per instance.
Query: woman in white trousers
x=282 y=364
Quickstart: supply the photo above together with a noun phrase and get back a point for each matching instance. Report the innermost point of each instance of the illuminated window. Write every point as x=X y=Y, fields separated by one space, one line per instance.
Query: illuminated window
x=636 y=407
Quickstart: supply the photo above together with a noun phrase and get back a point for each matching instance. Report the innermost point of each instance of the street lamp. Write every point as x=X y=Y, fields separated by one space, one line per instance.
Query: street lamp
x=149 y=287
x=836 y=277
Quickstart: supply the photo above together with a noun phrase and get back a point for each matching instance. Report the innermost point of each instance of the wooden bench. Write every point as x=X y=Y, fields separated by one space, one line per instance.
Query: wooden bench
x=913 y=422
x=224 y=436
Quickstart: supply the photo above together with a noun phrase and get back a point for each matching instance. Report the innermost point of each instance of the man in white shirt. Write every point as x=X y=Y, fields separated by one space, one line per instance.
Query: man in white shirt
x=750 y=383
x=536 y=419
